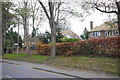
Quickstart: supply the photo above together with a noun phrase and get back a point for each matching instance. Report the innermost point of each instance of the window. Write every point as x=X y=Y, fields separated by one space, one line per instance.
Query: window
x=91 y=34
x=107 y=33
x=115 y=32
x=97 y=33
x=94 y=34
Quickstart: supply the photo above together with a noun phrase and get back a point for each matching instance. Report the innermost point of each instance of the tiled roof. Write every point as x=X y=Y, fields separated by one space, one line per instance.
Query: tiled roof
x=105 y=26
x=71 y=33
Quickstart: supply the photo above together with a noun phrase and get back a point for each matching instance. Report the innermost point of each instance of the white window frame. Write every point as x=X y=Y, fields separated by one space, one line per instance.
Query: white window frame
x=115 y=32
x=91 y=34
x=107 y=33
x=94 y=34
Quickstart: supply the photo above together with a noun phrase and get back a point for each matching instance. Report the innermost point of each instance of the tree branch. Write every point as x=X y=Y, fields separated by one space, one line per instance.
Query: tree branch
x=44 y=9
x=118 y=6
x=50 y=8
x=58 y=12
x=106 y=11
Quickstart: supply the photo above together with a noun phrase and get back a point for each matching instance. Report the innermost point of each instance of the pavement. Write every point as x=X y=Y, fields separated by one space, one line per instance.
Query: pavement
x=73 y=73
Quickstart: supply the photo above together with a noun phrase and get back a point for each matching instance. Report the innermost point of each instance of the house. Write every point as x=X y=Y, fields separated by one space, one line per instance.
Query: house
x=34 y=41
x=69 y=34
x=107 y=29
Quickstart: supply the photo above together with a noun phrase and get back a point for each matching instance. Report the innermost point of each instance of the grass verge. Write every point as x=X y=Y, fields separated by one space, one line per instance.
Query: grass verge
x=99 y=64
x=24 y=57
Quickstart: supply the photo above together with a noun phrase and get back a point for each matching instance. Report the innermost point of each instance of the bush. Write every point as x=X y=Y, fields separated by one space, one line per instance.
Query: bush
x=68 y=53
x=94 y=47
x=69 y=40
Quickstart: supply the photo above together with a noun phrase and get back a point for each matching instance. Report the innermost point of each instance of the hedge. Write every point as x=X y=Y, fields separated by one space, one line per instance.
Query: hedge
x=94 y=47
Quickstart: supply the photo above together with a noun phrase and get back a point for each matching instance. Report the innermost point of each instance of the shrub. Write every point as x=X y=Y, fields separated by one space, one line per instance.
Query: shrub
x=68 y=53
x=94 y=47
x=69 y=40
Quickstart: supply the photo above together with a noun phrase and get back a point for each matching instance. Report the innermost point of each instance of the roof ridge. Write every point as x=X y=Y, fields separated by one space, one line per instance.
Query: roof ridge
x=104 y=26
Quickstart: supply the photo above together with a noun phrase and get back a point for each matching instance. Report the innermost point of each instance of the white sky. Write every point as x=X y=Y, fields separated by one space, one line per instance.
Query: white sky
x=76 y=25
x=97 y=17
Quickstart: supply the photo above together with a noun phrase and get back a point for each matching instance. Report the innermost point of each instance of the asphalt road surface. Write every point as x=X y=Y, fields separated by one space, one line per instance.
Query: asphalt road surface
x=16 y=71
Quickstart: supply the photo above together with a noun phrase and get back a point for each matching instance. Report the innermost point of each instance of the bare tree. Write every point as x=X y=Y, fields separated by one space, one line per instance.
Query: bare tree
x=58 y=14
x=34 y=13
x=25 y=24
x=52 y=16
x=24 y=12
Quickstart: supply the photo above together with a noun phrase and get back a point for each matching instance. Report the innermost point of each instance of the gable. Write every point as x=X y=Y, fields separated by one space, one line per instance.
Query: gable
x=105 y=26
x=68 y=36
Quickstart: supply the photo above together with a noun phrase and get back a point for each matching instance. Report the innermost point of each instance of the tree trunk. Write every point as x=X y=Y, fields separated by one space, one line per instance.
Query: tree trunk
x=53 y=39
x=26 y=34
x=53 y=29
x=51 y=18
x=0 y=28
x=33 y=21
x=118 y=15
x=26 y=37
x=119 y=18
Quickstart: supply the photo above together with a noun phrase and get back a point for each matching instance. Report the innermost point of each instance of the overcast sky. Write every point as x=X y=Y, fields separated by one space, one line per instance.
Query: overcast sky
x=76 y=25
x=97 y=17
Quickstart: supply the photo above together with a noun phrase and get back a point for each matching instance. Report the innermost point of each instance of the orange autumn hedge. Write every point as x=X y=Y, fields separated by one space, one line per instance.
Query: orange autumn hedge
x=94 y=47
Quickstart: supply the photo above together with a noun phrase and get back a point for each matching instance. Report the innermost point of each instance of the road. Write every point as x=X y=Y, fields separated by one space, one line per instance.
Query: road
x=31 y=71
x=16 y=71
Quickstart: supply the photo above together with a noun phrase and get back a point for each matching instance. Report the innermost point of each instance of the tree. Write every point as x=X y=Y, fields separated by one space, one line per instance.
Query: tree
x=24 y=12
x=59 y=35
x=25 y=17
x=34 y=16
x=12 y=37
x=45 y=37
x=7 y=18
x=57 y=15
x=33 y=32
x=106 y=6
x=52 y=16
x=84 y=36
x=0 y=28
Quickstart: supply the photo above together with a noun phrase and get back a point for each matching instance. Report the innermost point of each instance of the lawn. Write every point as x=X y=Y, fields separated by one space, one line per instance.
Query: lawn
x=99 y=64
x=24 y=57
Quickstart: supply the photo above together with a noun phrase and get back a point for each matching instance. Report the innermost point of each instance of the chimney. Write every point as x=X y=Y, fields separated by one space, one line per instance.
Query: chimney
x=91 y=24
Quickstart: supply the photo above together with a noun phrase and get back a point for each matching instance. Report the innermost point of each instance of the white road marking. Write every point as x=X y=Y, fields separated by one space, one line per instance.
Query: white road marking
x=9 y=77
